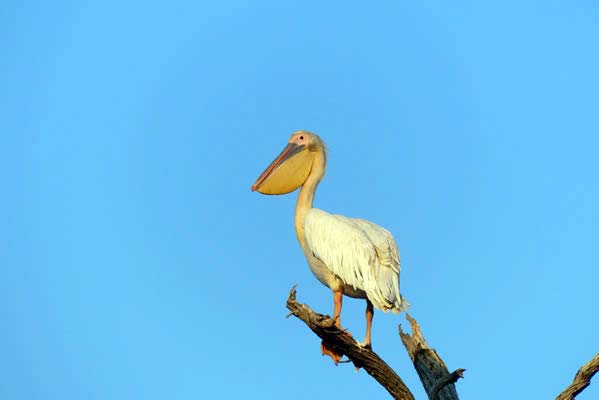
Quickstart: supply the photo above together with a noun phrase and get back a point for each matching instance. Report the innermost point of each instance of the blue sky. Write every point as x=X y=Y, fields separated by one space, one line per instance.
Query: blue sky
x=137 y=264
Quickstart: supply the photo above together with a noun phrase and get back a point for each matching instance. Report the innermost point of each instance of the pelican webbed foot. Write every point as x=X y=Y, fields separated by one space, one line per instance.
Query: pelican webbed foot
x=328 y=349
x=366 y=345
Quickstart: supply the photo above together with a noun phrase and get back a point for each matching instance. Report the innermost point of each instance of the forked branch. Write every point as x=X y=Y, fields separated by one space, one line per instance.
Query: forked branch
x=324 y=327
x=438 y=382
x=435 y=377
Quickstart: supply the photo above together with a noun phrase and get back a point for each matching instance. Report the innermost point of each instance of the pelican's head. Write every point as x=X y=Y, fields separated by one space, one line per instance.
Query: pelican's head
x=291 y=168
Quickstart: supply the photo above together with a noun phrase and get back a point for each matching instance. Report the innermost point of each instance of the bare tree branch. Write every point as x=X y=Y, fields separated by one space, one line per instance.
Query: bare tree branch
x=434 y=375
x=581 y=380
x=444 y=381
x=324 y=327
x=438 y=383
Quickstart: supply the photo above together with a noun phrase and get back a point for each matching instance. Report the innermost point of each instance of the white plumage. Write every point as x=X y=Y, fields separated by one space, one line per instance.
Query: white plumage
x=360 y=253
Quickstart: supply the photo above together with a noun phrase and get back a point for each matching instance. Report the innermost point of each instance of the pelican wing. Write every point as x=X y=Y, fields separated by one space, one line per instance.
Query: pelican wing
x=362 y=254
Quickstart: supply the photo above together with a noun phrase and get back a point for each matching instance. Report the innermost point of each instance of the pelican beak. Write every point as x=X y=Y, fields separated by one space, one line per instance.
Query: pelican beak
x=287 y=172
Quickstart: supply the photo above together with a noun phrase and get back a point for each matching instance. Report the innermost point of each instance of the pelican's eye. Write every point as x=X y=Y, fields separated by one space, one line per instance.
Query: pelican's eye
x=301 y=138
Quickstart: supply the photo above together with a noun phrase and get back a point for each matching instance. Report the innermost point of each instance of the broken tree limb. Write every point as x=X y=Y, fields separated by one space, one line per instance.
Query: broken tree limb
x=324 y=327
x=581 y=380
x=444 y=381
x=434 y=375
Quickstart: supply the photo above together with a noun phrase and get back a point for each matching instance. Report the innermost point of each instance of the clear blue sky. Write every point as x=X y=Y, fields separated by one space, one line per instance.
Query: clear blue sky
x=137 y=264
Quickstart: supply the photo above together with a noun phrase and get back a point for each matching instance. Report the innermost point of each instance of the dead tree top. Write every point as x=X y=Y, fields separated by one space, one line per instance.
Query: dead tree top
x=438 y=382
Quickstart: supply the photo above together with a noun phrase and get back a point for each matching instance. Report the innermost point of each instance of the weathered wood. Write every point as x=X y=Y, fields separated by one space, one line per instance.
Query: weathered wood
x=438 y=383
x=324 y=327
x=434 y=375
x=444 y=381
x=581 y=380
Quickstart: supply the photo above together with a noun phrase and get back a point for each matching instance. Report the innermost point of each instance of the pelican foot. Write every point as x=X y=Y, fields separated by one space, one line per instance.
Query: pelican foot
x=366 y=345
x=328 y=350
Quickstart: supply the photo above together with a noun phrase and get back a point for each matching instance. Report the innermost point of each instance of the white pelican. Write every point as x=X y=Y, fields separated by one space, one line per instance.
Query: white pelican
x=351 y=256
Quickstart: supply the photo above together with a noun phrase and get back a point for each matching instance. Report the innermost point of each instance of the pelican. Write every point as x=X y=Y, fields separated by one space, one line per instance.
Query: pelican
x=353 y=257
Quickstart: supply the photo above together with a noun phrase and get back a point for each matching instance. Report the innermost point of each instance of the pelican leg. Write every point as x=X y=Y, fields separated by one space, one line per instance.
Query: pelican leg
x=369 y=316
x=337 y=304
x=325 y=348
